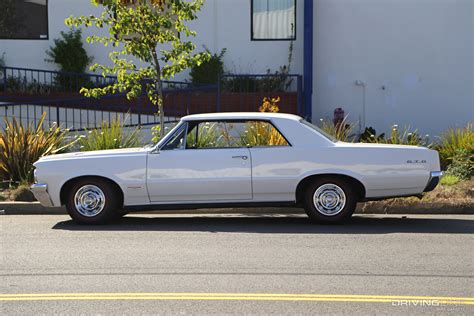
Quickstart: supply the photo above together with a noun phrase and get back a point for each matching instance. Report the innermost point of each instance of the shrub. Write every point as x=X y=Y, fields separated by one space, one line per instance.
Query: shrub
x=69 y=53
x=21 y=146
x=343 y=131
x=210 y=70
x=449 y=179
x=22 y=193
x=370 y=136
x=453 y=141
x=462 y=165
x=406 y=136
x=109 y=136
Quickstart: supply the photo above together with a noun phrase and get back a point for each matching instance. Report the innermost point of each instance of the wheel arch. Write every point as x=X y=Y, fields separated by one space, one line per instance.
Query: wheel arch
x=355 y=183
x=70 y=182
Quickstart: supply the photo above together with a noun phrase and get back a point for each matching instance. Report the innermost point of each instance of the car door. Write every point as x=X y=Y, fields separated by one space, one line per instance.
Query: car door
x=205 y=170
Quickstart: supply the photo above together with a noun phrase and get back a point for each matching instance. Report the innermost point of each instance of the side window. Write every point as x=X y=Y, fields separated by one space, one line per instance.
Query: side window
x=210 y=135
x=233 y=134
x=176 y=141
x=262 y=133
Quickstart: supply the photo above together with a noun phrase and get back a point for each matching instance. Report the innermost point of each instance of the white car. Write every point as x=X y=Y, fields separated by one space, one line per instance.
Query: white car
x=235 y=159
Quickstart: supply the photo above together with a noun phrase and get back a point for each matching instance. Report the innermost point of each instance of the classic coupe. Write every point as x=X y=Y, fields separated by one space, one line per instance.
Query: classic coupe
x=235 y=160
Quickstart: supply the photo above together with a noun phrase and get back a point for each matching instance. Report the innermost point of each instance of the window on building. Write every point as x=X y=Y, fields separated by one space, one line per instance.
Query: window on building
x=24 y=19
x=273 y=19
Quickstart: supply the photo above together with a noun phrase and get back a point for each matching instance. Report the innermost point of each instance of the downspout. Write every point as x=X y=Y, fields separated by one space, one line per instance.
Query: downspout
x=308 y=59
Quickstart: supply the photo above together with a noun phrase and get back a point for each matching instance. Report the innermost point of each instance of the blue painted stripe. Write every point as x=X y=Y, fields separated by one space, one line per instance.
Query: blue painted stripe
x=308 y=59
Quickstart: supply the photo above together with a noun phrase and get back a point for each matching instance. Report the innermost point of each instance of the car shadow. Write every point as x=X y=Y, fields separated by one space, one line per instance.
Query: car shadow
x=268 y=224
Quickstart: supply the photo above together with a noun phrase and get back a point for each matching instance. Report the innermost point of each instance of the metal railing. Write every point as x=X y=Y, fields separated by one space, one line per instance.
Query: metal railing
x=252 y=88
x=40 y=82
x=27 y=93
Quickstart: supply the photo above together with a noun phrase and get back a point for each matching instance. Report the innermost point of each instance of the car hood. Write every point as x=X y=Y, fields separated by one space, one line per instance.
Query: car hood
x=94 y=154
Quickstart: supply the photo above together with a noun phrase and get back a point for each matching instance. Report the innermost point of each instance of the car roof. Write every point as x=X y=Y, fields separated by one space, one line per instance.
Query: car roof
x=241 y=116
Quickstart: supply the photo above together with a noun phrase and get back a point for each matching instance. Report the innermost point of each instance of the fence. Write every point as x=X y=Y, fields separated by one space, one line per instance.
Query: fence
x=27 y=93
x=246 y=92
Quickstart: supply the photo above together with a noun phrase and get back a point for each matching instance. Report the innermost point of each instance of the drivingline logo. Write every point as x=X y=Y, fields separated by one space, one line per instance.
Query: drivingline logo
x=394 y=300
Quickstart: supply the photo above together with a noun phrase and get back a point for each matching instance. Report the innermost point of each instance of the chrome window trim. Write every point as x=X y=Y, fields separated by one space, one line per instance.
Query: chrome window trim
x=269 y=121
x=178 y=129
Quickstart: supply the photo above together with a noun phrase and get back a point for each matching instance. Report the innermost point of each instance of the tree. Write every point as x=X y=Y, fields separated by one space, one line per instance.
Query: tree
x=137 y=28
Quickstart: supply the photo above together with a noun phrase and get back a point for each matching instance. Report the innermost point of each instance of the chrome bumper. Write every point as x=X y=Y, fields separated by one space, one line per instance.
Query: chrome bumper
x=435 y=176
x=40 y=191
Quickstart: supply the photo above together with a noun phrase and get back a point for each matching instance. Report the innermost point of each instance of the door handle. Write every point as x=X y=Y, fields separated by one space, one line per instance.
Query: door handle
x=241 y=157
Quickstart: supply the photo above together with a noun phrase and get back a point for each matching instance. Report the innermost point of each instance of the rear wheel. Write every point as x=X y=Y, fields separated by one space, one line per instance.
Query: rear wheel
x=329 y=200
x=92 y=201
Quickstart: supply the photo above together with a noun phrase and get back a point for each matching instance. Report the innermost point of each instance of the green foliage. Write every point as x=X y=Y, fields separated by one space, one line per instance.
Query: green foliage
x=207 y=137
x=343 y=131
x=69 y=53
x=406 y=136
x=22 y=194
x=21 y=85
x=462 y=164
x=449 y=180
x=210 y=70
x=109 y=136
x=136 y=30
x=453 y=141
x=370 y=136
x=21 y=146
x=156 y=131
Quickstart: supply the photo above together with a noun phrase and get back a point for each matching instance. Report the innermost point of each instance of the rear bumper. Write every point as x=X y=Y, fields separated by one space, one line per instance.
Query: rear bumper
x=40 y=191
x=435 y=176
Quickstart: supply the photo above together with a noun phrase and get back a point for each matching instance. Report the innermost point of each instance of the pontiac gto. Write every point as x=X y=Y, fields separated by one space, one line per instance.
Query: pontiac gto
x=235 y=159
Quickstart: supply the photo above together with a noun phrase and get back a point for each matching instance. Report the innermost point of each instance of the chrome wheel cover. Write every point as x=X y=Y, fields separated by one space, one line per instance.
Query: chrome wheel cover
x=329 y=199
x=89 y=200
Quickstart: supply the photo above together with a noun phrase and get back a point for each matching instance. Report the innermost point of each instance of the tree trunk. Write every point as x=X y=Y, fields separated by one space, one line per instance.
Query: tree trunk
x=159 y=91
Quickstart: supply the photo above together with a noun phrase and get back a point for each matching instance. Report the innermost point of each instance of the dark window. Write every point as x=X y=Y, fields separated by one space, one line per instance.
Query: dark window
x=273 y=19
x=24 y=19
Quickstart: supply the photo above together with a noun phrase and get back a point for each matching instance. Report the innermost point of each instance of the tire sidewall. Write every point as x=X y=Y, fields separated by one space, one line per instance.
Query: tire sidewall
x=347 y=211
x=110 y=207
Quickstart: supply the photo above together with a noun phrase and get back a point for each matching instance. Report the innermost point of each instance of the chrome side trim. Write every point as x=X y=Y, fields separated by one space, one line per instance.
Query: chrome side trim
x=40 y=191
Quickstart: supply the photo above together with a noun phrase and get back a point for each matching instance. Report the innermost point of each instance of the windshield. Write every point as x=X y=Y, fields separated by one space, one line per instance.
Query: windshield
x=169 y=126
x=319 y=130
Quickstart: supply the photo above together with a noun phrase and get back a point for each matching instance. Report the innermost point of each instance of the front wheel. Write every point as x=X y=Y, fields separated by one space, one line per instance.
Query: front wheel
x=92 y=201
x=329 y=200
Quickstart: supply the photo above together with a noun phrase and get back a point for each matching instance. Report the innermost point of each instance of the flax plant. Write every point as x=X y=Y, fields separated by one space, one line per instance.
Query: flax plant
x=21 y=146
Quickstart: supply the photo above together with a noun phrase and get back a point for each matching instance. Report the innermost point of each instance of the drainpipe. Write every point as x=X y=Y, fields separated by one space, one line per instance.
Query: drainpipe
x=308 y=59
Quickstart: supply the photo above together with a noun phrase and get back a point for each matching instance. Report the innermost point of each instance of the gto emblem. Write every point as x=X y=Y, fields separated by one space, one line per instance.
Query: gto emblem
x=416 y=161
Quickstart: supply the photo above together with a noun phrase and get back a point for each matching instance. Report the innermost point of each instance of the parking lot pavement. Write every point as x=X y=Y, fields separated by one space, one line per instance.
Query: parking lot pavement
x=214 y=264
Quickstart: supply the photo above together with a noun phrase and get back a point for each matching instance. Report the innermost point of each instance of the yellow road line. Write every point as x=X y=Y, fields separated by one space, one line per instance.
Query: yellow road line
x=235 y=297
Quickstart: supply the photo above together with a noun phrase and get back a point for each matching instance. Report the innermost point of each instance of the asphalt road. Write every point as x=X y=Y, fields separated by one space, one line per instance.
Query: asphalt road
x=214 y=264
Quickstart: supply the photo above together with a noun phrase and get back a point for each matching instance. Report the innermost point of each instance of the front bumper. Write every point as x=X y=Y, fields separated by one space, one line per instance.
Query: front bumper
x=435 y=176
x=40 y=191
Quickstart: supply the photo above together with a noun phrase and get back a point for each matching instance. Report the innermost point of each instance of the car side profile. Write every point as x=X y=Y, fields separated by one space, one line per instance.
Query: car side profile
x=235 y=159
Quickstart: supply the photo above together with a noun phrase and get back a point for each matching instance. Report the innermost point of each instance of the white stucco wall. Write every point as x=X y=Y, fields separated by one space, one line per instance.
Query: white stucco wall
x=221 y=24
x=416 y=58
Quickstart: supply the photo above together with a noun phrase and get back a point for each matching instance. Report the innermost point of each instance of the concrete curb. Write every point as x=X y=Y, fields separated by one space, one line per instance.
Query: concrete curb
x=34 y=208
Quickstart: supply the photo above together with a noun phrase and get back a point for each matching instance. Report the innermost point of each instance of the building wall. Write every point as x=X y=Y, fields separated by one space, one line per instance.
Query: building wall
x=221 y=24
x=416 y=58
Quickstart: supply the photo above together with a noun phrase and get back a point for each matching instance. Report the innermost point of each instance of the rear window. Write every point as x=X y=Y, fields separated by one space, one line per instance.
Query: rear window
x=317 y=129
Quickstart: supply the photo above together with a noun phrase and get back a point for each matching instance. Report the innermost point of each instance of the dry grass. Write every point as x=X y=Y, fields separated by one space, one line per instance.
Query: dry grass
x=458 y=196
